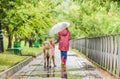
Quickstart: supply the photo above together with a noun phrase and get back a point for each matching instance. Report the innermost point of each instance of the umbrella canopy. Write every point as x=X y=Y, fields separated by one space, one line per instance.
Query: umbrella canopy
x=58 y=27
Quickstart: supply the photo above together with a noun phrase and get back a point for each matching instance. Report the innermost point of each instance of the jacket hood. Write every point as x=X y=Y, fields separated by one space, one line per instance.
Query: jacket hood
x=63 y=32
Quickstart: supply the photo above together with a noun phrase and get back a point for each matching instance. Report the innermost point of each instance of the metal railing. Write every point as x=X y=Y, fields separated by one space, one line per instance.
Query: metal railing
x=104 y=50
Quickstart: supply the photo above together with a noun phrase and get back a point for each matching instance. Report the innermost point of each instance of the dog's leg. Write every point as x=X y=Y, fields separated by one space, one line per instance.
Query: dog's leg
x=50 y=62
x=44 y=58
x=53 y=58
x=50 y=55
x=47 y=59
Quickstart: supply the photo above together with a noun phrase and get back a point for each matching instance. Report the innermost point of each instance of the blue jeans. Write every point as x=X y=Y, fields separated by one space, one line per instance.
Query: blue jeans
x=64 y=56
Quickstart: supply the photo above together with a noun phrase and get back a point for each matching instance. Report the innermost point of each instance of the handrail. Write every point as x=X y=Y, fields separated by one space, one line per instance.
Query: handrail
x=104 y=50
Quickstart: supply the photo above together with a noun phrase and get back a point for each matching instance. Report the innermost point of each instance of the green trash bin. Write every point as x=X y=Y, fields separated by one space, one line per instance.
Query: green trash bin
x=17 y=45
x=36 y=44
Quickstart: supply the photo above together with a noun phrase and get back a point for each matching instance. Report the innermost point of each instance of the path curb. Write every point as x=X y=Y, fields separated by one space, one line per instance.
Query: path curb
x=9 y=72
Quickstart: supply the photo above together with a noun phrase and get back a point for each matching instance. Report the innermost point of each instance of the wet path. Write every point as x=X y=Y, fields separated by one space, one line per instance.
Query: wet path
x=77 y=68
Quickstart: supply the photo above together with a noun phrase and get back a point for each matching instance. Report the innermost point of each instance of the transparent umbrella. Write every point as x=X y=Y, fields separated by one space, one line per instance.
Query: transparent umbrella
x=58 y=27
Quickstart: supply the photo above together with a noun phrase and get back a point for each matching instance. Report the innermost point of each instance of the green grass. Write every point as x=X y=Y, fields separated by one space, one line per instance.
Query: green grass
x=8 y=60
x=84 y=56
x=79 y=53
x=31 y=51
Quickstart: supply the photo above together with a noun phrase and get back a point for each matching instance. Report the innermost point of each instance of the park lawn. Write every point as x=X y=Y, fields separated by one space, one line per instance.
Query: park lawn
x=8 y=60
x=31 y=51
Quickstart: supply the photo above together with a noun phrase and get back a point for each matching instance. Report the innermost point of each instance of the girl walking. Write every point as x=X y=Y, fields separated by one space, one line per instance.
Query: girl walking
x=64 y=37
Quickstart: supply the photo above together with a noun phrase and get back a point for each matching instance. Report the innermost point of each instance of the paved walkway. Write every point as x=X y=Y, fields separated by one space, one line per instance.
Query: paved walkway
x=77 y=68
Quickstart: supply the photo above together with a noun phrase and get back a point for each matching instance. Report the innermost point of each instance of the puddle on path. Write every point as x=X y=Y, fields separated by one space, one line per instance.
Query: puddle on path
x=37 y=71
x=57 y=73
x=62 y=73
x=46 y=73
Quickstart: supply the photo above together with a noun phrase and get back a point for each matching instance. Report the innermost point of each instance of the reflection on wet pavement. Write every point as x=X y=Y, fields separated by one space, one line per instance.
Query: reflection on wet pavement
x=63 y=73
x=76 y=68
x=50 y=72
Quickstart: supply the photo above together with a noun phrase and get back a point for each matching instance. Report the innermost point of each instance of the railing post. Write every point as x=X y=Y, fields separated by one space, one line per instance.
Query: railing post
x=86 y=46
x=118 y=56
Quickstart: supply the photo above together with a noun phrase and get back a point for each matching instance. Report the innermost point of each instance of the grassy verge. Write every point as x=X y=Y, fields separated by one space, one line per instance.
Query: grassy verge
x=8 y=60
x=84 y=56
x=31 y=51
x=79 y=53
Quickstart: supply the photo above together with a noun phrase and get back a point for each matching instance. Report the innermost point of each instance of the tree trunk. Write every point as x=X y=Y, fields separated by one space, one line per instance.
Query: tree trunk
x=9 y=37
x=1 y=39
x=26 y=40
x=10 y=41
x=15 y=36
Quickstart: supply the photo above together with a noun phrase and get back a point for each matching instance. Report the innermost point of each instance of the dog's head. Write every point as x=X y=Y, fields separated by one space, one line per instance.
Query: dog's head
x=46 y=44
x=52 y=42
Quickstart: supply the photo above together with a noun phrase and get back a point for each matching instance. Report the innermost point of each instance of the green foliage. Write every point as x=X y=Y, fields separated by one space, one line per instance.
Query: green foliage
x=36 y=17
x=97 y=17
x=8 y=58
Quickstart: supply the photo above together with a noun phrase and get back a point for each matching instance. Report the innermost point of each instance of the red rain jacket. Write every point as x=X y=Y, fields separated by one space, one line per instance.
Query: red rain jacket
x=64 y=37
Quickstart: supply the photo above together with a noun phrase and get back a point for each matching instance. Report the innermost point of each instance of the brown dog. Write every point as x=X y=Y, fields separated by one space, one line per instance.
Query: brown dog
x=49 y=47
